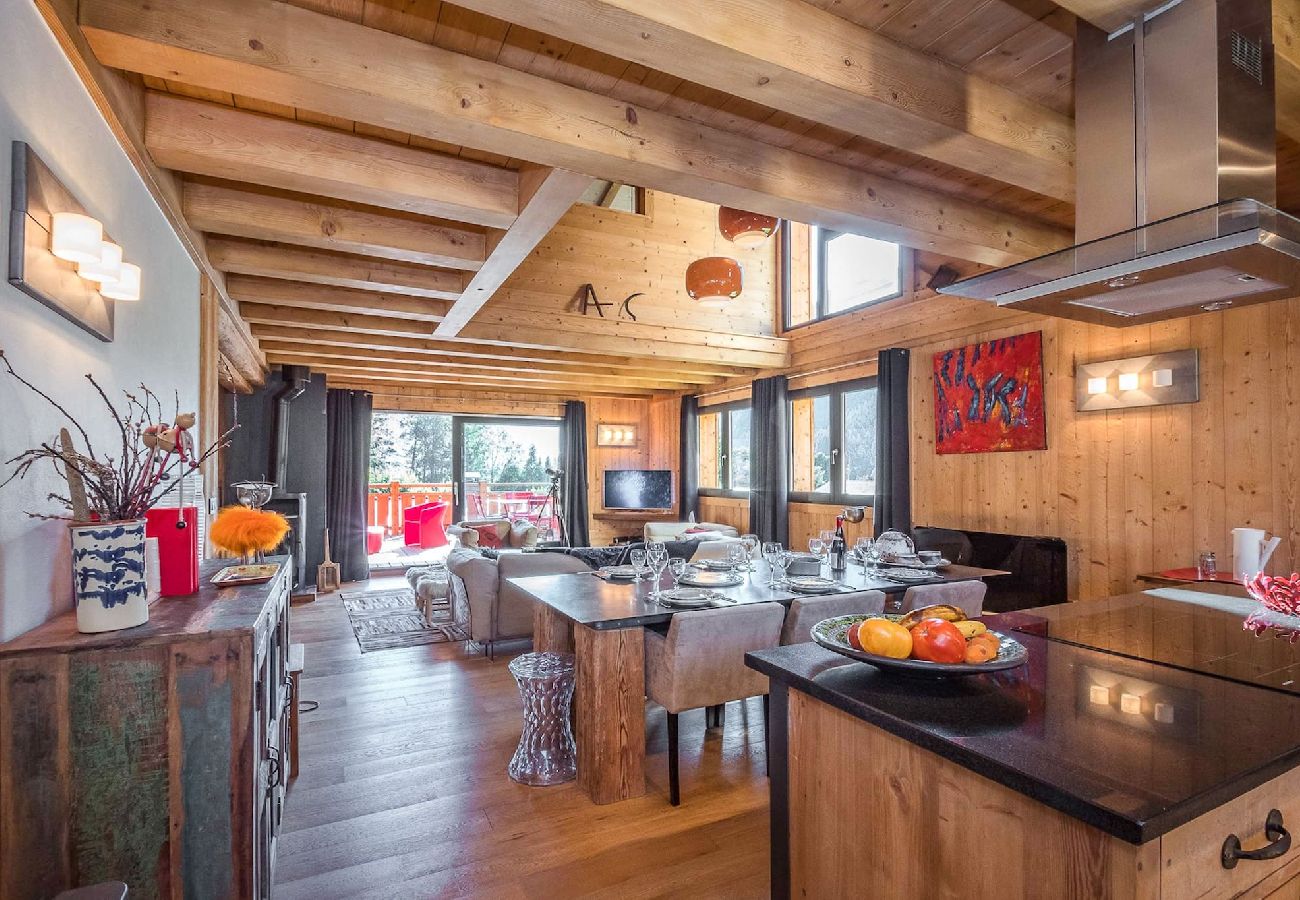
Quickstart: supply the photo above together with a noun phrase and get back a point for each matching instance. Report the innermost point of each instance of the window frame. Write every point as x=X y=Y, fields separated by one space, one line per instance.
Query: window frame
x=724 y=411
x=835 y=392
x=819 y=301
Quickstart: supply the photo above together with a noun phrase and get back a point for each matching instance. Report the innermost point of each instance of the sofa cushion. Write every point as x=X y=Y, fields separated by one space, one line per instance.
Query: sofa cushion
x=523 y=534
x=514 y=605
x=488 y=536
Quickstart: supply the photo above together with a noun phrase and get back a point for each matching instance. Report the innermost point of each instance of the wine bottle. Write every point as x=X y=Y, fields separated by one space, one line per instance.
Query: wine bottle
x=839 y=549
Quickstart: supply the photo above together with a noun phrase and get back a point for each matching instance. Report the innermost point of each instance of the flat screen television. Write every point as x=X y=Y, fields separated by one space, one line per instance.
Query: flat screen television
x=638 y=489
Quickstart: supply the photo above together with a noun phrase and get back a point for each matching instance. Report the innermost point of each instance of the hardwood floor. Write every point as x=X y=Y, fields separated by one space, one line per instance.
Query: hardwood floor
x=403 y=789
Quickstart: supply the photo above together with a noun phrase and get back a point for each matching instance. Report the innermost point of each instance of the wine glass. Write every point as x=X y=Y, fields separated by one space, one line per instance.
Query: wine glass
x=816 y=546
x=638 y=559
x=862 y=547
x=657 y=557
x=751 y=544
x=772 y=551
x=677 y=568
x=736 y=556
x=827 y=535
x=783 y=561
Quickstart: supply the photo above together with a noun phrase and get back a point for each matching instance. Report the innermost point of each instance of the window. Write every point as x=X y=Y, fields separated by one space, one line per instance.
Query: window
x=724 y=450
x=833 y=443
x=614 y=195
x=827 y=272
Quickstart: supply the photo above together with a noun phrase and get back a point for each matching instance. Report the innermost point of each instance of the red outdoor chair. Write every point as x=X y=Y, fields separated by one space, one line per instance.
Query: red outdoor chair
x=423 y=525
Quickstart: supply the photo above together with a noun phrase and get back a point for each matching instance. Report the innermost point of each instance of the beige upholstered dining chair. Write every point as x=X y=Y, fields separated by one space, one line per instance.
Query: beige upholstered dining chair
x=968 y=596
x=700 y=662
x=805 y=612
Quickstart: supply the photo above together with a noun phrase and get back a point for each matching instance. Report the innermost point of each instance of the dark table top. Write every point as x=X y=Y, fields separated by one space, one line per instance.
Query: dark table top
x=1054 y=730
x=589 y=600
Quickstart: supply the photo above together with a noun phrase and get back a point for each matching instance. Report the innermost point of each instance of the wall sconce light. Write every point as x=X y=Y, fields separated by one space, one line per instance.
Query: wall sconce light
x=59 y=254
x=1155 y=380
x=76 y=238
x=1130 y=704
x=127 y=286
x=615 y=435
x=1099 y=695
x=105 y=270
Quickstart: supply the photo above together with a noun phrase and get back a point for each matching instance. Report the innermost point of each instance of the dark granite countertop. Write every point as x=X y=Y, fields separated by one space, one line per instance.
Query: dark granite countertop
x=1054 y=728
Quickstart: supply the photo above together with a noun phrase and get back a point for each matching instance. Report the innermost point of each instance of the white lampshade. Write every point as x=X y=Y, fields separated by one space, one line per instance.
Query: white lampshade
x=107 y=269
x=1128 y=381
x=76 y=238
x=1096 y=385
x=127 y=287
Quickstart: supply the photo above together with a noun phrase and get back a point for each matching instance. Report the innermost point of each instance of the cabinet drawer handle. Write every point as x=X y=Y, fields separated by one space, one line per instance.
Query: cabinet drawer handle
x=1280 y=837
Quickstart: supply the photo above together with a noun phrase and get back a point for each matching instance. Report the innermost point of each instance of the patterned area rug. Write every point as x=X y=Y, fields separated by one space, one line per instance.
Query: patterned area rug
x=382 y=620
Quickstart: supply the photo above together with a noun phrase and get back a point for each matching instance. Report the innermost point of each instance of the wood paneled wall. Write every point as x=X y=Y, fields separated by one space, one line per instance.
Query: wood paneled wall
x=658 y=422
x=806 y=519
x=1144 y=489
x=621 y=253
x=1129 y=491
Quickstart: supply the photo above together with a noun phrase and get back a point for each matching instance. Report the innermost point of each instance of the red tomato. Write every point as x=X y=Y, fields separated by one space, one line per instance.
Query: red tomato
x=938 y=641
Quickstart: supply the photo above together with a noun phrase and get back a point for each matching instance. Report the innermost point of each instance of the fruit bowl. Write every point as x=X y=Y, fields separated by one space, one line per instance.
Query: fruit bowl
x=830 y=633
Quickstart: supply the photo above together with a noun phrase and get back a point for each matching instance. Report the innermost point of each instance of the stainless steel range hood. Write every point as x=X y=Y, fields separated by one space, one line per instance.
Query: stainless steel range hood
x=1175 y=124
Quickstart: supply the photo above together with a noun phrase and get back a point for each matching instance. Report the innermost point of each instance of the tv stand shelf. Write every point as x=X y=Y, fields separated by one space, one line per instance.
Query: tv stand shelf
x=634 y=515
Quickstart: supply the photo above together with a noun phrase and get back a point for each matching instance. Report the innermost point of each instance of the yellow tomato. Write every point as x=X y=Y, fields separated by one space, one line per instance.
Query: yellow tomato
x=885 y=638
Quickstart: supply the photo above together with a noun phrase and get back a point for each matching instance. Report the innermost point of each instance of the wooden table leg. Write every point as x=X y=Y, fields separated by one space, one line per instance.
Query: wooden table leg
x=551 y=631
x=609 y=706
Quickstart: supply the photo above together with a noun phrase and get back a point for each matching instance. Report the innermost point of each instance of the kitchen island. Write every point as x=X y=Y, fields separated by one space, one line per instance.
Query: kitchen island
x=1142 y=734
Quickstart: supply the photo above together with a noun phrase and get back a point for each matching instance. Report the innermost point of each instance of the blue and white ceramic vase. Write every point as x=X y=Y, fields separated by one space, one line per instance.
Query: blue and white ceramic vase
x=108 y=576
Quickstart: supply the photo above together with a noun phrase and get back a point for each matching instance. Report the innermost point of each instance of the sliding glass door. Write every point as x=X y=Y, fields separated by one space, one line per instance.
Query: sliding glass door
x=499 y=468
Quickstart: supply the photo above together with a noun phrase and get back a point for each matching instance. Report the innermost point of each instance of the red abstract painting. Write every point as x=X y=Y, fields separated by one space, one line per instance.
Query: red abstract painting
x=989 y=396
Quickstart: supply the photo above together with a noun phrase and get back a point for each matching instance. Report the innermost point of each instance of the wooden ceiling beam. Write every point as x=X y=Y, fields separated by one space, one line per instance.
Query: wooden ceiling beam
x=281 y=53
x=320 y=337
x=544 y=196
x=467 y=361
x=793 y=57
x=315 y=357
x=120 y=102
x=502 y=379
x=1109 y=15
x=316 y=222
x=651 y=343
x=302 y=299
x=386 y=380
x=338 y=269
x=225 y=142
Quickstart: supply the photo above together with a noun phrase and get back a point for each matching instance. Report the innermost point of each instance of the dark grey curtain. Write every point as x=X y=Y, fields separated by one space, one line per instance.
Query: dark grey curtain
x=769 y=461
x=893 y=509
x=347 y=438
x=574 y=484
x=689 y=482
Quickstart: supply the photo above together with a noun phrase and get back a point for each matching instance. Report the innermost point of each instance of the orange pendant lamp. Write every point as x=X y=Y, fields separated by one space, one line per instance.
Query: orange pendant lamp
x=745 y=229
x=713 y=281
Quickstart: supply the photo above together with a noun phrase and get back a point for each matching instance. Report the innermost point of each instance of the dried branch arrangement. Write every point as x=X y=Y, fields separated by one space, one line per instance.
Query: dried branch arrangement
x=119 y=486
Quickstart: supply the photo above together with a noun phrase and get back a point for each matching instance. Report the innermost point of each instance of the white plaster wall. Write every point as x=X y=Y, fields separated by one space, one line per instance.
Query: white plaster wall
x=42 y=102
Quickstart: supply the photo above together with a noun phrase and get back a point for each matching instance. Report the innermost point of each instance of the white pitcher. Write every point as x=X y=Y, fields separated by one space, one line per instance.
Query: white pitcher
x=1251 y=549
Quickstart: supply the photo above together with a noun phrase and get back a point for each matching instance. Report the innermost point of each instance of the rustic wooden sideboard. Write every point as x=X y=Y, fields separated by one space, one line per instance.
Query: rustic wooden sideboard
x=156 y=755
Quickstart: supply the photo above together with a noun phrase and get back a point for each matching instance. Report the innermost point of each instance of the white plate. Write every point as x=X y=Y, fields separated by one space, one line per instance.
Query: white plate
x=628 y=572
x=687 y=598
x=812 y=584
x=712 y=579
x=903 y=574
x=714 y=565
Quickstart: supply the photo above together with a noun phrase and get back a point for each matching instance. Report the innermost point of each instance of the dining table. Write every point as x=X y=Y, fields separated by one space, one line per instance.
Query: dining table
x=601 y=621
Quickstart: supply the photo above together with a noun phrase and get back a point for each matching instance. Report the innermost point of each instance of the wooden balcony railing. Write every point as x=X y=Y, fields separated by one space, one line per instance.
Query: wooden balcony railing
x=387 y=503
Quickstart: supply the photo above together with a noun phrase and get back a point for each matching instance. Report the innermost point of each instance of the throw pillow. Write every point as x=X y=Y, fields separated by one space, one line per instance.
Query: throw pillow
x=488 y=537
x=520 y=530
